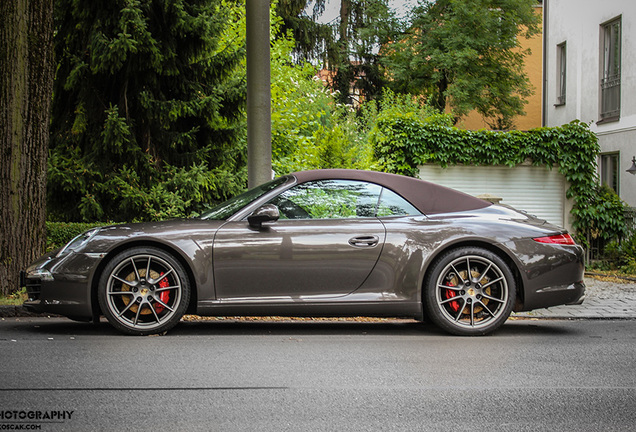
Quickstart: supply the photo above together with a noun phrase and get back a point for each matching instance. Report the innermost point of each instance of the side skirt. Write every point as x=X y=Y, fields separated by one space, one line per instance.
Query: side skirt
x=318 y=309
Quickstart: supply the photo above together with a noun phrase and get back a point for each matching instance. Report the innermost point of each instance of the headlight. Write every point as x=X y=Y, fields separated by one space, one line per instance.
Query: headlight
x=42 y=274
x=78 y=241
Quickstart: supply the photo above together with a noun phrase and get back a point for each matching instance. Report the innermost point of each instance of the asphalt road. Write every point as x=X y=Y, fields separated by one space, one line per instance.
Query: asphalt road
x=326 y=376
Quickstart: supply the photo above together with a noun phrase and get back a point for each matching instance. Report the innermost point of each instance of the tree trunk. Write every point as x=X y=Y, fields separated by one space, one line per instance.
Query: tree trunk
x=439 y=101
x=26 y=83
x=343 y=76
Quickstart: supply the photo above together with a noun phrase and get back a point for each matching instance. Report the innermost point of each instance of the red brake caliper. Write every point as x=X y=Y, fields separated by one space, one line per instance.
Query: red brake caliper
x=449 y=294
x=164 y=296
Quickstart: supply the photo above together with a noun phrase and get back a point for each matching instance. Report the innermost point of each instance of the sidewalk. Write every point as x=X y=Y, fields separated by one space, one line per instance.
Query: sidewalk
x=606 y=299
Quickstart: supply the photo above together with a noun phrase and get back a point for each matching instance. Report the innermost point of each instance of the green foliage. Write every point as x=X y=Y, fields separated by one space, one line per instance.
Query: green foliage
x=404 y=140
x=310 y=36
x=300 y=107
x=466 y=53
x=599 y=213
x=309 y=129
x=630 y=266
x=148 y=109
x=620 y=256
x=347 y=46
x=363 y=27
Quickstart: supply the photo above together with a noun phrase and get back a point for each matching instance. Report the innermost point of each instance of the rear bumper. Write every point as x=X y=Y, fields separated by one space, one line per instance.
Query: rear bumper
x=551 y=275
x=572 y=294
x=580 y=300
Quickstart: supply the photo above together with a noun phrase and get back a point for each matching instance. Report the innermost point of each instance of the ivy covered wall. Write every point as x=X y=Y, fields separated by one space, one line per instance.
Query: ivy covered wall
x=402 y=141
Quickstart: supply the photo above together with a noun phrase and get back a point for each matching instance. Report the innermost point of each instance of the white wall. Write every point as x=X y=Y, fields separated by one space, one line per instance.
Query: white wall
x=578 y=23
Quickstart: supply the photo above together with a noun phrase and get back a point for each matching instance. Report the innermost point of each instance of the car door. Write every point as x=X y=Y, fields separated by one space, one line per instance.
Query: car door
x=325 y=244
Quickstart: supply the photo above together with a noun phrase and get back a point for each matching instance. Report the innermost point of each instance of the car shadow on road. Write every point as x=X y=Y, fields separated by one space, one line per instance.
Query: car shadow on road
x=265 y=327
x=379 y=328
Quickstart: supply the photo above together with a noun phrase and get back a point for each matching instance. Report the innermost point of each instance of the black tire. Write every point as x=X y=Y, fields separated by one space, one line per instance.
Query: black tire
x=139 y=305
x=469 y=291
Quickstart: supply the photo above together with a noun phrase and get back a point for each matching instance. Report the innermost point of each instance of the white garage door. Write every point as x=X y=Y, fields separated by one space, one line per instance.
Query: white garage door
x=537 y=190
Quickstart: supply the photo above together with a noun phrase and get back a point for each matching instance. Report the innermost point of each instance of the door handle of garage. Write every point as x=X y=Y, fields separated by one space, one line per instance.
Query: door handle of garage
x=364 y=241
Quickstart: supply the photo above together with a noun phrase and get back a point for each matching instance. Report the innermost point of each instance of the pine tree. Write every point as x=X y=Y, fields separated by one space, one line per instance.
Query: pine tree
x=147 y=110
x=312 y=37
x=347 y=47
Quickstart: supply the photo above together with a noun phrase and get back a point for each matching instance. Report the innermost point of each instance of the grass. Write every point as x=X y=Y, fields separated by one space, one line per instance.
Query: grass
x=15 y=299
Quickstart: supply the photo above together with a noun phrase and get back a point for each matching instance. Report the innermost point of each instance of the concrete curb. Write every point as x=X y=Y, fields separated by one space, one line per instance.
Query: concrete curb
x=8 y=311
x=611 y=309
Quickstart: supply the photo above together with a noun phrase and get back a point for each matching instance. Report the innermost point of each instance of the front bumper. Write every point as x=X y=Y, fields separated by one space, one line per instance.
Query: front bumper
x=61 y=285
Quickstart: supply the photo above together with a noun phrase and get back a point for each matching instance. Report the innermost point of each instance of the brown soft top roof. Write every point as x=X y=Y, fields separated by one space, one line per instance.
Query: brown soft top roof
x=427 y=197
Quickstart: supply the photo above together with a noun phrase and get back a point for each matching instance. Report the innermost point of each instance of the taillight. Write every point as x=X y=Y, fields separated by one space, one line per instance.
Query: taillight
x=561 y=239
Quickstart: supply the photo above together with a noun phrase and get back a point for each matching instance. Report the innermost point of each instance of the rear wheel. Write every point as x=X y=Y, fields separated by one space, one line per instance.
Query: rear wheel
x=469 y=291
x=144 y=291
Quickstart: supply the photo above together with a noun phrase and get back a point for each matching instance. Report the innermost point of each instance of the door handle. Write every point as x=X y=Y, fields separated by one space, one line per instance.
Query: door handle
x=364 y=241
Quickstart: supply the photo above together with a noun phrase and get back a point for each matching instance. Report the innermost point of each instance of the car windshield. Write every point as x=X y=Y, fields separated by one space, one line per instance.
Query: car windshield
x=231 y=206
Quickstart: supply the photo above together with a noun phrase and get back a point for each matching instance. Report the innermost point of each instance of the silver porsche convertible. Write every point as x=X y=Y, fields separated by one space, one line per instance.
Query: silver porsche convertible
x=318 y=243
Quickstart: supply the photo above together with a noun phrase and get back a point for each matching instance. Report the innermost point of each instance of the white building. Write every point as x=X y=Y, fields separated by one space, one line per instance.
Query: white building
x=590 y=74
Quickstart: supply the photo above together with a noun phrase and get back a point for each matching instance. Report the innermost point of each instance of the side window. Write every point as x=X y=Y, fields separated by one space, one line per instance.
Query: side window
x=611 y=69
x=609 y=170
x=561 y=73
x=392 y=204
x=329 y=199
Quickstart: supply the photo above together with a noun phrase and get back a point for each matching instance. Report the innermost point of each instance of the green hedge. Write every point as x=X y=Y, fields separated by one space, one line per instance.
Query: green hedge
x=402 y=141
x=60 y=233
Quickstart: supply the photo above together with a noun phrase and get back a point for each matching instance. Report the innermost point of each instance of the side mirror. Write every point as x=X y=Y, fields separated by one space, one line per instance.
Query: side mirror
x=266 y=213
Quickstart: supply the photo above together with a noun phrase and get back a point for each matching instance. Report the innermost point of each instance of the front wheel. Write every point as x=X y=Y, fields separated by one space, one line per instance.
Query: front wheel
x=144 y=291
x=469 y=291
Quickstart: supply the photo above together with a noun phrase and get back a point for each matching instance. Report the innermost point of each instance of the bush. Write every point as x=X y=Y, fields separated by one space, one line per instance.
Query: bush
x=620 y=256
x=60 y=233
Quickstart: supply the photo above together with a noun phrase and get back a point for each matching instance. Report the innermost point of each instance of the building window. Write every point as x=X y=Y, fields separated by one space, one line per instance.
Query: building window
x=611 y=69
x=609 y=170
x=561 y=72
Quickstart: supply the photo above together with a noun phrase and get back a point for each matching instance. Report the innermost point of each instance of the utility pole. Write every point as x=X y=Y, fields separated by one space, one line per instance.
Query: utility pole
x=259 y=95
